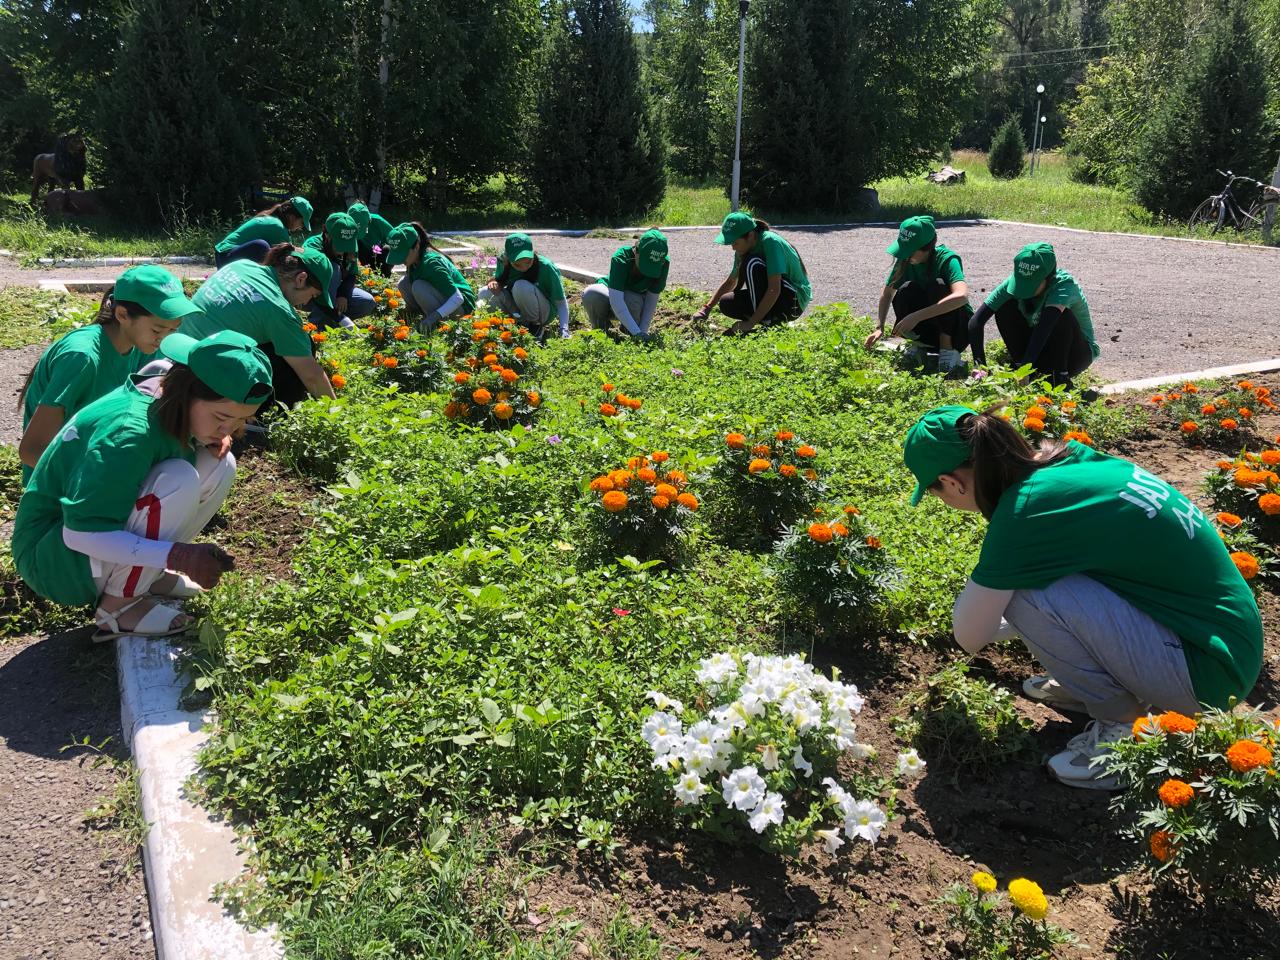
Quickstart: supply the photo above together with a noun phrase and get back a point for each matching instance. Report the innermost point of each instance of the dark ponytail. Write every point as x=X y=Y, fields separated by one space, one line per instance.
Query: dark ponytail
x=284 y=259
x=424 y=238
x=1000 y=456
x=280 y=210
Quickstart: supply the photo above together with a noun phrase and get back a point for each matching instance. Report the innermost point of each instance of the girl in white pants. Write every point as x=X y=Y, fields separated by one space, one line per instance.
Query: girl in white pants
x=120 y=493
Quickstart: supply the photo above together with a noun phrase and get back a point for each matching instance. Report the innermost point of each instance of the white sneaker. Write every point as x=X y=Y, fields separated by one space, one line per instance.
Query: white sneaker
x=1080 y=764
x=1049 y=691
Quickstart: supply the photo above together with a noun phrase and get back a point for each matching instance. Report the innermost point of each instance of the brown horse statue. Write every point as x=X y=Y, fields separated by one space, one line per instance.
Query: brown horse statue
x=64 y=167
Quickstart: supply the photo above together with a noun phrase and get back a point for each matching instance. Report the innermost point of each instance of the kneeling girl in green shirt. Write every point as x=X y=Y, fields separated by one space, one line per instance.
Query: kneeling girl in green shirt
x=1114 y=580
x=114 y=504
x=433 y=285
x=528 y=284
x=768 y=284
x=265 y=229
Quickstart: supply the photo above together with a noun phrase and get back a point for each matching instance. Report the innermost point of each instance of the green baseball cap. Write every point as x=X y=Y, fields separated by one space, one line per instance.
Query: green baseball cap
x=156 y=290
x=934 y=447
x=343 y=232
x=400 y=241
x=914 y=234
x=321 y=269
x=303 y=207
x=360 y=214
x=735 y=225
x=651 y=253
x=1031 y=265
x=228 y=363
x=517 y=246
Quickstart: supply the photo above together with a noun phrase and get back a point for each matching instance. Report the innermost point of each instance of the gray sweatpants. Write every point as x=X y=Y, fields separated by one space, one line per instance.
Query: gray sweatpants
x=421 y=296
x=523 y=298
x=1103 y=650
x=595 y=303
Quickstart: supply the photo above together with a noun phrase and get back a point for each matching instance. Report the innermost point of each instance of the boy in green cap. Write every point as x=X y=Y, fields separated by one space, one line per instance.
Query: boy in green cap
x=264 y=230
x=338 y=241
x=118 y=498
x=1042 y=316
x=373 y=230
x=930 y=298
x=1114 y=580
x=527 y=284
x=637 y=274
x=768 y=285
x=144 y=306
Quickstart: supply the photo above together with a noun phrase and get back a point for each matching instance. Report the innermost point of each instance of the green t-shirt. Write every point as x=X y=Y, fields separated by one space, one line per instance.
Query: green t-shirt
x=246 y=297
x=439 y=271
x=87 y=480
x=944 y=265
x=780 y=258
x=1062 y=291
x=624 y=275
x=547 y=277
x=1110 y=520
x=270 y=229
x=376 y=235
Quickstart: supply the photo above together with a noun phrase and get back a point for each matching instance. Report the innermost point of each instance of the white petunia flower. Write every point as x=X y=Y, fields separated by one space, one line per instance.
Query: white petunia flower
x=843 y=731
x=863 y=751
x=769 y=757
x=689 y=788
x=842 y=798
x=831 y=839
x=662 y=732
x=910 y=765
x=666 y=761
x=700 y=759
x=865 y=820
x=717 y=669
x=743 y=789
x=768 y=811
x=798 y=762
x=663 y=702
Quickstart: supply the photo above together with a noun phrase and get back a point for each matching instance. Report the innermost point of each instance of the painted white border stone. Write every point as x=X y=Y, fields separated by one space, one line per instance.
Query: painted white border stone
x=186 y=851
x=1210 y=373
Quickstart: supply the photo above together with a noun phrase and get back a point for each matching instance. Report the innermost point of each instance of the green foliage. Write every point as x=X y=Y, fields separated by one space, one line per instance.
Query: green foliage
x=29 y=316
x=970 y=724
x=1008 y=151
x=1212 y=118
x=1221 y=416
x=1204 y=802
x=991 y=931
x=676 y=63
x=595 y=151
x=166 y=114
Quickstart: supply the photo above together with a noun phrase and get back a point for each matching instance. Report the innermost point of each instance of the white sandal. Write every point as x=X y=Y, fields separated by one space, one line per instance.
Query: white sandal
x=155 y=622
x=184 y=589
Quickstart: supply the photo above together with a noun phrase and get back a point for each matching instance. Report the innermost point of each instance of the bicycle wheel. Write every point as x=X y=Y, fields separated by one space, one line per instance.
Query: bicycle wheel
x=1211 y=213
x=1258 y=214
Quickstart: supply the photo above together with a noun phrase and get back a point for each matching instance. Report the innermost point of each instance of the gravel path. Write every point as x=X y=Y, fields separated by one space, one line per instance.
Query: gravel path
x=1158 y=305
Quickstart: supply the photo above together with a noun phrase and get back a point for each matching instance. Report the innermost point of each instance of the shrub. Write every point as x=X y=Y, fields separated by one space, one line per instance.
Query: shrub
x=643 y=509
x=970 y=723
x=1202 y=796
x=1008 y=151
x=977 y=912
x=315 y=439
x=1249 y=488
x=770 y=480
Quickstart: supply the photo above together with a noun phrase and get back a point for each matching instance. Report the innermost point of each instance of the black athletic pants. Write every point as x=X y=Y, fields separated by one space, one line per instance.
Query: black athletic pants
x=753 y=281
x=1055 y=346
x=915 y=296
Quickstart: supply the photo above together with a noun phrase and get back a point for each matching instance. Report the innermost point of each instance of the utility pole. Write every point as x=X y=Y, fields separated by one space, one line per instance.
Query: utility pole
x=737 y=133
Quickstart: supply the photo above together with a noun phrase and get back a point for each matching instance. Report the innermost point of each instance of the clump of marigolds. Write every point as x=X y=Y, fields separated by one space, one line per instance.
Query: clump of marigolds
x=1048 y=417
x=644 y=508
x=996 y=925
x=1223 y=418
x=1202 y=797
x=771 y=481
x=491 y=383
x=612 y=404
x=1249 y=487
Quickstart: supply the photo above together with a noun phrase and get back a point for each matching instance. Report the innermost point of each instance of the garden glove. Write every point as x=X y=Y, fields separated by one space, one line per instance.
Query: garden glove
x=204 y=563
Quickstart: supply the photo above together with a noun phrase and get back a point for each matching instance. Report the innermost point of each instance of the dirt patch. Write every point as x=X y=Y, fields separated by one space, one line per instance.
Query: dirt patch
x=726 y=902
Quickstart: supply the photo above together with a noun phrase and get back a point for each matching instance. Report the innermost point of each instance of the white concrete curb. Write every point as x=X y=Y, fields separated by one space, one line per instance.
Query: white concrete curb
x=186 y=852
x=1210 y=373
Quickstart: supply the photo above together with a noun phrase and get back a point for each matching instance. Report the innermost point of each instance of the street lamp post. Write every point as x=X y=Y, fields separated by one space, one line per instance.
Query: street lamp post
x=737 y=133
x=1040 y=141
x=1035 y=128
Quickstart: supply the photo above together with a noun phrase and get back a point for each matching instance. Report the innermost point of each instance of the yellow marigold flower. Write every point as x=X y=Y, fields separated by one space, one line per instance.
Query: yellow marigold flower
x=1027 y=896
x=614 y=501
x=984 y=881
x=621 y=478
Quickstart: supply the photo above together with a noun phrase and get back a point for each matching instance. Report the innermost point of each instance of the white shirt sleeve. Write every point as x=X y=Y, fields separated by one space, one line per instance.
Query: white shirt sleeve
x=618 y=301
x=978 y=616
x=450 y=305
x=646 y=314
x=562 y=312
x=119 y=547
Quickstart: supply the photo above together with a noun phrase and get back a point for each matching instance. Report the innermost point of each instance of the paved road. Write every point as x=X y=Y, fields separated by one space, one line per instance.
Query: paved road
x=1158 y=305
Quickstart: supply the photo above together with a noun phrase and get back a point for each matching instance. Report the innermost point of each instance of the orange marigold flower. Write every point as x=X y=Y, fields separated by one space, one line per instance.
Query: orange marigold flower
x=402 y=333
x=635 y=403
x=1269 y=504
x=481 y=396
x=534 y=398
x=1158 y=398
x=667 y=490
x=473 y=362
x=509 y=376
x=761 y=450
x=659 y=456
x=1245 y=413
x=811 y=475
x=1176 y=793
x=477 y=336
x=1174 y=396
x=1270 y=457
x=784 y=435
x=1173 y=722
x=661 y=502
x=608 y=410
x=787 y=470
x=506 y=336
x=1036 y=413
x=623 y=399
x=490 y=347
x=1246 y=563
x=318 y=338
x=806 y=451
x=1080 y=436
x=688 y=501
x=503 y=411
x=614 y=501
x=852 y=511
x=1044 y=400
x=1190 y=426
x=1034 y=424
x=1245 y=384
x=1245 y=755
x=520 y=353
x=1144 y=727
x=1262 y=393
x=758 y=466
x=1208 y=408
x=1163 y=846
x=1068 y=405
x=461 y=376
x=338 y=381
x=635 y=463
x=839 y=529
x=607 y=387
x=1229 y=424
x=480 y=324
x=677 y=477
x=621 y=478
x=421 y=354
x=451 y=410
x=490 y=358
x=309 y=327
x=390 y=362
x=1190 y=388
x=873 y=543
x=735 y=441
x=1225 y=464
x=1229 y=519
x=647 y=474
x=601 y=485
x=820 y=533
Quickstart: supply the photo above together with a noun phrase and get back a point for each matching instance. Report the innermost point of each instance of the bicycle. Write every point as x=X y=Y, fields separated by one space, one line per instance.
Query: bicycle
x=1221 y=207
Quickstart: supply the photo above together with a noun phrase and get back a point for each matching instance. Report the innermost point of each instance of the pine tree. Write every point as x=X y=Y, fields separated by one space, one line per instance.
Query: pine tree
x=594 y=153
x=1212 y=118
x=1008 y=152
x=174 y=144
x=677 y=58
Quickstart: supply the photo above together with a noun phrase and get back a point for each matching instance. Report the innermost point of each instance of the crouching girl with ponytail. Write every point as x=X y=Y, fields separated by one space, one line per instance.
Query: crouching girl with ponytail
x=145 y=305
x=432 y=285
x=1114 y=580
x=122 y=491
